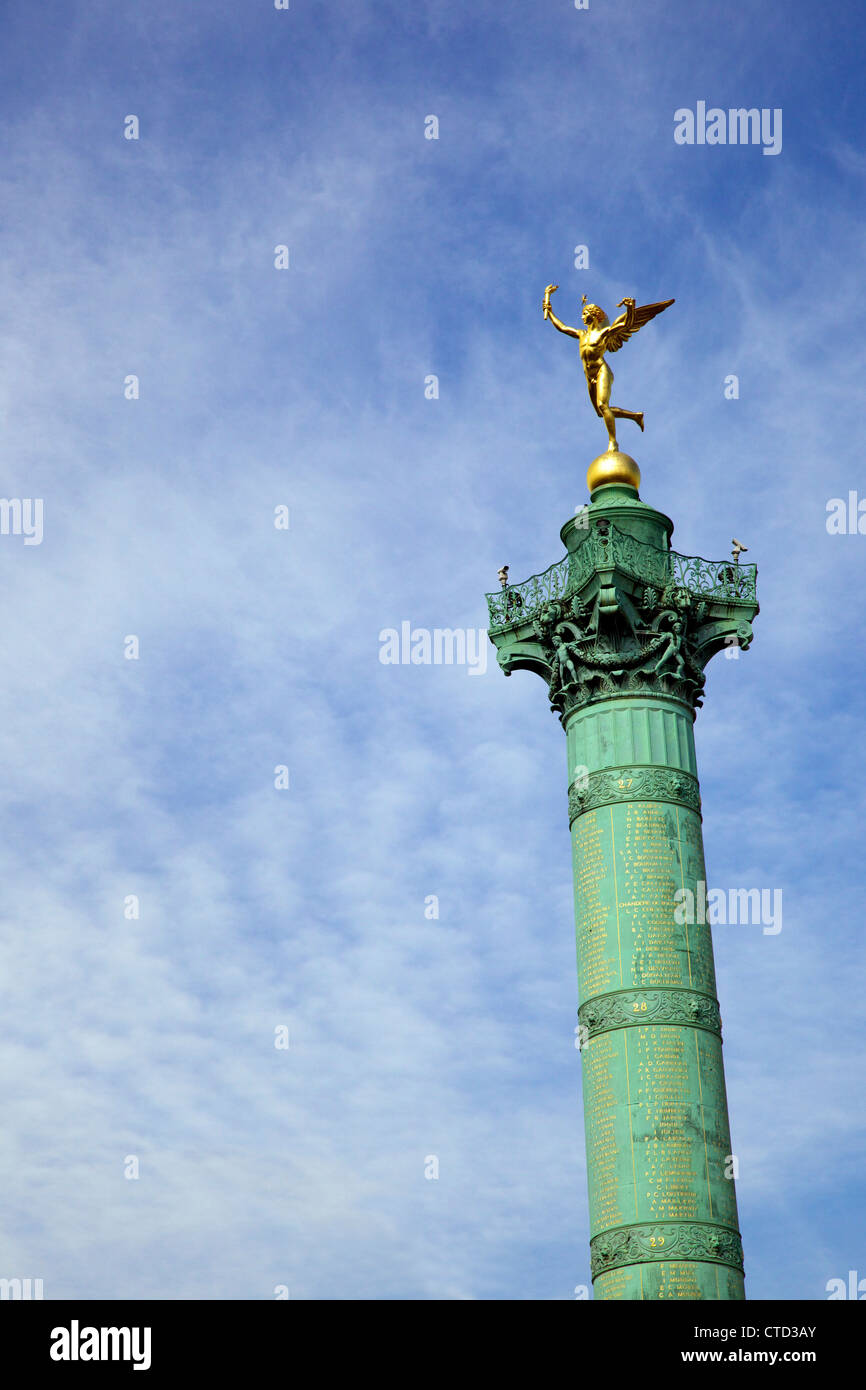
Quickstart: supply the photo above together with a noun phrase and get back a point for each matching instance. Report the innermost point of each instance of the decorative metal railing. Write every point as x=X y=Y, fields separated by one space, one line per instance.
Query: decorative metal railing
x=517 y=602
x=606 y=547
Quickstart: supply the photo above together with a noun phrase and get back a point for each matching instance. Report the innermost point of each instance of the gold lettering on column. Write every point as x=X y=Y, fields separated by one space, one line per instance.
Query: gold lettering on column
x=648 y=872
x=600 y=1057
x=593 y=916
x=666 y=1121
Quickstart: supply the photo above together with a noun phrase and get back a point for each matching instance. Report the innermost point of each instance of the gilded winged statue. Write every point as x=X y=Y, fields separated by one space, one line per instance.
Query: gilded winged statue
x=601 y=336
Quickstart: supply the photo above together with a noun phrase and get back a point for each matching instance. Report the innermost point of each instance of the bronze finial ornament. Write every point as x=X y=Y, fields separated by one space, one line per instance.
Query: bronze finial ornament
x=601 y=336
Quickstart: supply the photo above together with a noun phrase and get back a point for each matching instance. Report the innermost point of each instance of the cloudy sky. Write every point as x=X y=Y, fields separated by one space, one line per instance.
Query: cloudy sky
x=149 y=1041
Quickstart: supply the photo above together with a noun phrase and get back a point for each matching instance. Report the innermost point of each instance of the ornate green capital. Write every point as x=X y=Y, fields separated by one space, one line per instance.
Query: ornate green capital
x=621 y=616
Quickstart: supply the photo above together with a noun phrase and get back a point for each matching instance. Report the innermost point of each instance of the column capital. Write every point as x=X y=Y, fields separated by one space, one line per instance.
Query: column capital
x=622 y=614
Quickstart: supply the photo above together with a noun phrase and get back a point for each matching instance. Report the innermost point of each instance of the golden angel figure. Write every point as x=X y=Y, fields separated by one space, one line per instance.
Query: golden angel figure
x=601 y=336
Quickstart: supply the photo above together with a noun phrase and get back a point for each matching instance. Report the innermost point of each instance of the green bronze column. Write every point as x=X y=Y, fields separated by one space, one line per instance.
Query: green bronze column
x=621 y=629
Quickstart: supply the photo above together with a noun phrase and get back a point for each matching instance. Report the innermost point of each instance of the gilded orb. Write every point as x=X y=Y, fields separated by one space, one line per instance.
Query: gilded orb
x=612 y=467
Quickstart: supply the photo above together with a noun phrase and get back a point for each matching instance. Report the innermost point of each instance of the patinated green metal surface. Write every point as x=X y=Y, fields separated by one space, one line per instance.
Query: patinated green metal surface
x=621 y=629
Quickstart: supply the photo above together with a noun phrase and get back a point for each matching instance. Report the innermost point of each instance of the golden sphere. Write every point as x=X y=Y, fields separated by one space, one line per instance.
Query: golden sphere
x=612 y=467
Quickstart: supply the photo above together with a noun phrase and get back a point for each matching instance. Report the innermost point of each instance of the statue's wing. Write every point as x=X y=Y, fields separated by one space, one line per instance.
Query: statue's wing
x=628 y=323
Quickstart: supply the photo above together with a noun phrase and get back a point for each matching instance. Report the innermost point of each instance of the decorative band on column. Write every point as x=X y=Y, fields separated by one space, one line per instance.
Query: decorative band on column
x=701 y=1241
x=633 y=784
x=626 y=1008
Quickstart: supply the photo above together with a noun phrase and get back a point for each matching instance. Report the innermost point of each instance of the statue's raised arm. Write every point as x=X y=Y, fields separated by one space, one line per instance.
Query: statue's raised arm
x=557 y=323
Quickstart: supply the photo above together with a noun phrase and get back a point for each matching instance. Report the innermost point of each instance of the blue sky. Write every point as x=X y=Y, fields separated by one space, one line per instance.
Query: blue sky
x=258 y=647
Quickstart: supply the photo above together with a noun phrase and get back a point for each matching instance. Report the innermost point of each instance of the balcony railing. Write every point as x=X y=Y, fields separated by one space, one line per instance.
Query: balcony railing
x=610 y=548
